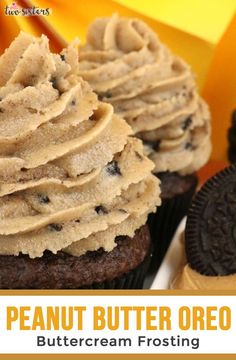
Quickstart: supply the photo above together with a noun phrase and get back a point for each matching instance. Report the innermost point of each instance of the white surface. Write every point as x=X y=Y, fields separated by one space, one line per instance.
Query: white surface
x=171 y=262
x=115 y=325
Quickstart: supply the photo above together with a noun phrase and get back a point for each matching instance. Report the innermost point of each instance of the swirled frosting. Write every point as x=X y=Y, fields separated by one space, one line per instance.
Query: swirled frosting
x=152 y=89
x=71 y=177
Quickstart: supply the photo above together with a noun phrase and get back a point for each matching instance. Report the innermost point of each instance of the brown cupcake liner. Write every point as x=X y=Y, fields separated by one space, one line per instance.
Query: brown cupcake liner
x=134 y=279
x=165 y=221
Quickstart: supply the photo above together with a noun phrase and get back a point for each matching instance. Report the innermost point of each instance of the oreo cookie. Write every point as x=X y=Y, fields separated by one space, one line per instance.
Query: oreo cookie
x=210 y=235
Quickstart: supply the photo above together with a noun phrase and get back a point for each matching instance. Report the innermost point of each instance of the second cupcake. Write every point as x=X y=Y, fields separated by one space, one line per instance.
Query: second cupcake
x=155 y=92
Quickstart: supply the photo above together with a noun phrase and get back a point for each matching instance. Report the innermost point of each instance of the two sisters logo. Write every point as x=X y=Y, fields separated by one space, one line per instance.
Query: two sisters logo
x=15 y=10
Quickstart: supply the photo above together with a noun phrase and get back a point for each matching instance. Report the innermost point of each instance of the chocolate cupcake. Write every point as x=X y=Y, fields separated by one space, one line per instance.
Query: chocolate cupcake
x=76 y=188
x=232 y=139
x=210 y=236
x=155 y=92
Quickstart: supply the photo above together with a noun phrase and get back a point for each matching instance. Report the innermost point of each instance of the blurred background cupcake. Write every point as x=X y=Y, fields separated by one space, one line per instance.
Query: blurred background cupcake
x=155 y=92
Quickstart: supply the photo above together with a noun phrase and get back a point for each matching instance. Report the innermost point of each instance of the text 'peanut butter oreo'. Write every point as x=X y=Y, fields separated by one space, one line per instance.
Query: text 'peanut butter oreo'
x=210 y=236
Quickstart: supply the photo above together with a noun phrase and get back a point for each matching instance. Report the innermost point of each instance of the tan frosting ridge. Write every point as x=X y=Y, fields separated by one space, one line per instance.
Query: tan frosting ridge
x=152 y=89
x=71 y=176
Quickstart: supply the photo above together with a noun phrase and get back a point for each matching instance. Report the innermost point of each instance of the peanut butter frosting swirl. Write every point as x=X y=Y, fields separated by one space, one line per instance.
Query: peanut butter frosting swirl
x=71 y=176
x=189 y=279
x=152 y=89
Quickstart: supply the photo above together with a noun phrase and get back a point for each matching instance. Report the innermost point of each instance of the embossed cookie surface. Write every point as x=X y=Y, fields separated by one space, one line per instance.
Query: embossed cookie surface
x=211 y=226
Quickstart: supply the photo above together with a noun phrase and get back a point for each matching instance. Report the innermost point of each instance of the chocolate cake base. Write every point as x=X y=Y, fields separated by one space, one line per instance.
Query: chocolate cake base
x=124 y=267
x=176 y=194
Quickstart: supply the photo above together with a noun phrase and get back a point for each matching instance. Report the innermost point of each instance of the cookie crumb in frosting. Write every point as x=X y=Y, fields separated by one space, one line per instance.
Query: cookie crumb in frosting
x=188 y=146
x=55 y=227
x=62 y=57
x=122 y=211
x=100 y=210
x=186 y=123
x=43 y=199
x=139 y=156
x=53 y=81
x=113 y=168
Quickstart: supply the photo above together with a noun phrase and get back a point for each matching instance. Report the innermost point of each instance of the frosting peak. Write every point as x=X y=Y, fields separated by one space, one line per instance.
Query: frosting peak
x=71 y=176
x=122 y=34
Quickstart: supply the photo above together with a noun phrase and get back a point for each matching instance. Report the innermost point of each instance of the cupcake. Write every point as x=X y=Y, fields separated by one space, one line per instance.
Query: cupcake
x=210 y=236
x=232 y=139
x=155 y=92
x=76 y=188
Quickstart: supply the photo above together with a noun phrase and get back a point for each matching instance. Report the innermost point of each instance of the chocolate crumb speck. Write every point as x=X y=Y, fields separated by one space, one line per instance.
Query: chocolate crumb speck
x=24 y=169
x=188 y=146
x=55 y=227
x=62 y=57
x=150 y=144
x=101 y=210
x=108 y=95
x=53 y=81
x=43 y=199
x=77 y=220
x=186 y=123
x=155 y=145
x=139 y=156
x=73 y=102
x=122 y=211
x=92 y=117
x=113 y=168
